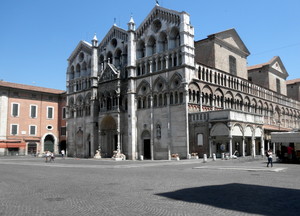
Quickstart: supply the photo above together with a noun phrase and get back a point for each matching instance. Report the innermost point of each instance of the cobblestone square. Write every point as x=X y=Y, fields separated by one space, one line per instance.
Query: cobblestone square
x=29 y=186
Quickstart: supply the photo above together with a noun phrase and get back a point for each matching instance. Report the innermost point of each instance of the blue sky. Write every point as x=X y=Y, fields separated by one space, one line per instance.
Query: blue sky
x=37 y=36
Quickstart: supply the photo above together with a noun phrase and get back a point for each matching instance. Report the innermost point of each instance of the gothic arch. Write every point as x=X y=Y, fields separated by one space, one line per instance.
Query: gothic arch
x=159 y=84
x=162 y=42
x=143 y=88
x=175 y=81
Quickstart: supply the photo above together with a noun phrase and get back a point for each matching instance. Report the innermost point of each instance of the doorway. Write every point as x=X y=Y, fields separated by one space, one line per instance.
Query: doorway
x=49 y=143
x=147 y=149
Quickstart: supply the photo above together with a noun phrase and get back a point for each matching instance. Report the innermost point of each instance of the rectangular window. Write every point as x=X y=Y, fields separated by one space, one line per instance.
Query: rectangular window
x=15 y=110
x=14 y=129
x=200 y=139
x=50 y=112
x=278 y=85
x=232 y=65
x=63 y=131
x=33 y=111
x=64 y=112
x=32 y=130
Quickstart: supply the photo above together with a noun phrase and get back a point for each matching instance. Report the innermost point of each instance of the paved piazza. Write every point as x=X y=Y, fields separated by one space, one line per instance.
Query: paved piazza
x=29 y=186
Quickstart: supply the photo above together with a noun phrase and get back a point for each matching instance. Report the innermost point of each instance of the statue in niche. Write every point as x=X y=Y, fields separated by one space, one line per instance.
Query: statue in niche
x=158 y=131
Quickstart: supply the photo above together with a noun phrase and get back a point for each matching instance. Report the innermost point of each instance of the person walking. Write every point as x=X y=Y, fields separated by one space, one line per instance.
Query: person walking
x=270 y=158
x=47 y=155
x=63 y=154
x=52 y=157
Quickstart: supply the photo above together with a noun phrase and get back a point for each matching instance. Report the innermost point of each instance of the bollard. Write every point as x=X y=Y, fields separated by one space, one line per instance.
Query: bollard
x=214 y=157
x=189 y=156
x=204 y=158
x=223 y=156
x=142 y=157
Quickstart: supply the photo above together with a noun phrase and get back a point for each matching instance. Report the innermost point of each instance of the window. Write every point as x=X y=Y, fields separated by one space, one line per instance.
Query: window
x=33 y=111
x=64 y=115
x=278 y=85
x=50 y=112
x=63 y=131
x=14 y=129
x=232 y=65
x=15 y=110
x=32 y=130
x=200 y=139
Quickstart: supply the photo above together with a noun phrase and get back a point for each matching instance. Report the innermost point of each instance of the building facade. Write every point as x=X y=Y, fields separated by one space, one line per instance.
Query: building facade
x=153 y=91
x=32 y=119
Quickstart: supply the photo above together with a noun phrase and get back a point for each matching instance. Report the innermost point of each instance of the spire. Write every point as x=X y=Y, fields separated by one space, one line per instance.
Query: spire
x=131 y=24
x=95 y=41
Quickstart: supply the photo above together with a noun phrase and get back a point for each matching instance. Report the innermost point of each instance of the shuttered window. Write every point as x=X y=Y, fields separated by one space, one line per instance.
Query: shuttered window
x=15 y=110
x=33 y=112
x=50 y=113
x=32 y=130
x=14 y=129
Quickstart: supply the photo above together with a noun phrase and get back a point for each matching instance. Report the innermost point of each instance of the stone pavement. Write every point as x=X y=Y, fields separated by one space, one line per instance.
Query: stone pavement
x=29 y=186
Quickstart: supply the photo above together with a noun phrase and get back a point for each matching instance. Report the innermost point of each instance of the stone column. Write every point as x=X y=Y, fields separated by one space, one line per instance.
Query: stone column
x=167 y=61
x=230 y=145
x=253 y=146
x=210 y=140
x=243 y=146
x=262 y=144
x=150 y=66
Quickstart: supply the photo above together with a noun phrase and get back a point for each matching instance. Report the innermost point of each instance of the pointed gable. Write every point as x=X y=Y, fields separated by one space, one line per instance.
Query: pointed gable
x=114 y=32
x=161 y=13
x=275 y=66
x=110 y=73
x=82 y=46
x=230 y=38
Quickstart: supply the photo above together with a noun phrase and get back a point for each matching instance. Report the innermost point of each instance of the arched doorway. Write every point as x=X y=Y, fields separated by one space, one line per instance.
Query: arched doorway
x=63 y=145
x=108 y=136
x=146 y=144
x=49 y=143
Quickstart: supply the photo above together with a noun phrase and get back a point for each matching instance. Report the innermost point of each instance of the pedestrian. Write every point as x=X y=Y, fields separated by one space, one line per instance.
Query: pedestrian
x=52 y=157
x=270 y=158
x=47 y=155
x=290 y=150
x=63 y=154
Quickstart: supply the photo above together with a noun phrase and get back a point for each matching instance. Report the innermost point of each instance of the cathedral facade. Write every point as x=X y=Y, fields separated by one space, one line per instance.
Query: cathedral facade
x=153 y=91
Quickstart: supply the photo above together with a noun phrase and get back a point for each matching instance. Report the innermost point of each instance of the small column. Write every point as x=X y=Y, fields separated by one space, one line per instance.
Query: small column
x=243 y=147
x=230 y=146
x=150 y=66
x=167 y=61
x=262 y=144
x=210 y=146
x=200 y=102
x=146 y=68
x=253 y=147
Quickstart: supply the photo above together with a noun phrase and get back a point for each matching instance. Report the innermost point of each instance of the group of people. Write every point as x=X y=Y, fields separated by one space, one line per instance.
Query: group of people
x=49 y=156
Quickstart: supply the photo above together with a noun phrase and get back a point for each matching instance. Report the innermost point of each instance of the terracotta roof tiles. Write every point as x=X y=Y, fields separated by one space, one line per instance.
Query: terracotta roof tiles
x=30 y=88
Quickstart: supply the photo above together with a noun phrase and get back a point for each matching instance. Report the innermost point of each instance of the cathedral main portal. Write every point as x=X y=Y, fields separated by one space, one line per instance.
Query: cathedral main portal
x=108 y=136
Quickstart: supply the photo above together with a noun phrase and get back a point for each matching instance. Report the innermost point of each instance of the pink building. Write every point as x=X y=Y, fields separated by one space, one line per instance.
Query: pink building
x=31 y=119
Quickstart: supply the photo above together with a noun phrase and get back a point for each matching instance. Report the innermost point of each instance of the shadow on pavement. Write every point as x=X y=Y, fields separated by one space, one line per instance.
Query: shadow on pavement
x=245 y=198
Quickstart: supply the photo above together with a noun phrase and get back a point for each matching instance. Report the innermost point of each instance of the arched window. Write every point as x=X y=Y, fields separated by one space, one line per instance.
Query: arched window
x=151 y=46
x=140 y=50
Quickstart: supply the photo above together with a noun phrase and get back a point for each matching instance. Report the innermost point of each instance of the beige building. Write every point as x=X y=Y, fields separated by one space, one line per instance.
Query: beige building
x=31 y=119
x=153 y=91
